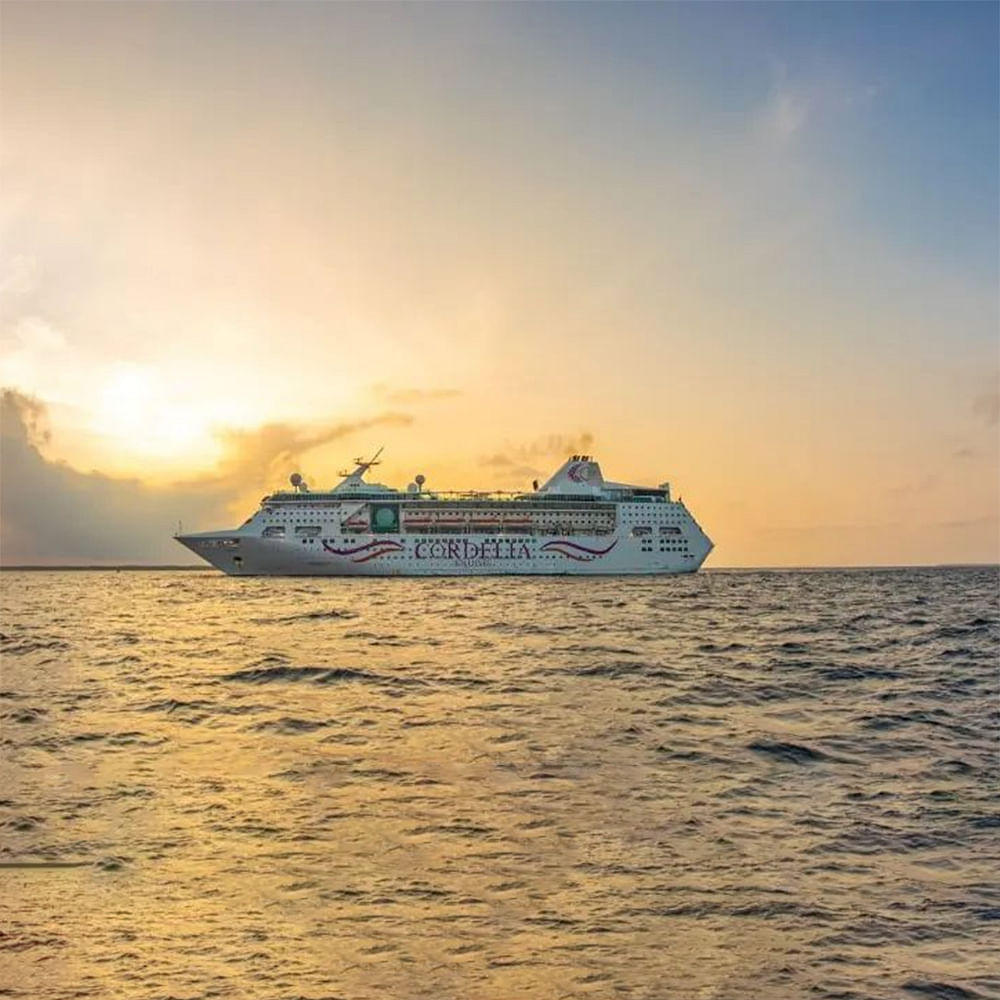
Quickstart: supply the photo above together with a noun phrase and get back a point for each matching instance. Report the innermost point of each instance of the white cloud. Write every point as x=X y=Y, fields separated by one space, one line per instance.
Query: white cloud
x=31 y=333
x=34 y=355
x=18 y=277
x=786 y=114
x=793 y=105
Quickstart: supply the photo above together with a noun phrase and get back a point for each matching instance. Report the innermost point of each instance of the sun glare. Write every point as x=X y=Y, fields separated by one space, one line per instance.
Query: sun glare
x=152 y=431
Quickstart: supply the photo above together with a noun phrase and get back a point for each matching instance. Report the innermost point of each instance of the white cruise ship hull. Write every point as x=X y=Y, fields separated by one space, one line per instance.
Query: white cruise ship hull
x=469 y=555
x=577 y=524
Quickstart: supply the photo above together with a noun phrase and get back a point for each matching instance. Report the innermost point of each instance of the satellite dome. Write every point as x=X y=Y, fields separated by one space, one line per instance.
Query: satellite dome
x=295 y=479
x=420 y=479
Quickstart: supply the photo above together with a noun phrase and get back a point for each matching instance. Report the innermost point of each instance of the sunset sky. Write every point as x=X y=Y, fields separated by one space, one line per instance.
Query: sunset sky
x=751 y=249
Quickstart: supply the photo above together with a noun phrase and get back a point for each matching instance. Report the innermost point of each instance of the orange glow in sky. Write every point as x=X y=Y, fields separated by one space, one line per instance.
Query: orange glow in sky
x=477 y=233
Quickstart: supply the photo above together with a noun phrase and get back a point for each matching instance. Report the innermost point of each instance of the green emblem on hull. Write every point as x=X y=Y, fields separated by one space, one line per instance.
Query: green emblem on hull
x=385 y=517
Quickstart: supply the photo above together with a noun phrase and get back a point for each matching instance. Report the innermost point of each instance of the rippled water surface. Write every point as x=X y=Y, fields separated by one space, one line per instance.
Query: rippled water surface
x=729 y=785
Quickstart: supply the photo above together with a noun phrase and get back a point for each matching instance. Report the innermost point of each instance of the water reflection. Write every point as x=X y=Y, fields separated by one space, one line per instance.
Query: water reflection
x=726 y=785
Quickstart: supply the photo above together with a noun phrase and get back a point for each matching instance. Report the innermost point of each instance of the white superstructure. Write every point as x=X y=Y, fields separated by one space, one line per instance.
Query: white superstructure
x=577 y=522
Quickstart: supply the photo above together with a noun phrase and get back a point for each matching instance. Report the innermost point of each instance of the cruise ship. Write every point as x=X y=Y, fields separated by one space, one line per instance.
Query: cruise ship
x=577 y=523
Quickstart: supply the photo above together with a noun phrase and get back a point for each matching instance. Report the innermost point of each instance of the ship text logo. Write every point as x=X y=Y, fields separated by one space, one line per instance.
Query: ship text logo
x=501 y=548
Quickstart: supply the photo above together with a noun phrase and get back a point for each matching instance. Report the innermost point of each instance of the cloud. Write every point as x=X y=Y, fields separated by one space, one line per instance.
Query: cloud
x=986 y=405
x=412 y=396
x=51 y=513
x=18 y=277
x=786 y=113
x=522 y=472
x=520 y=462
x=793 y=105
x=985 y=521
x=35 y=334
x=269 y=452
x=923 y=485
x=30 y=417
x=552 y=446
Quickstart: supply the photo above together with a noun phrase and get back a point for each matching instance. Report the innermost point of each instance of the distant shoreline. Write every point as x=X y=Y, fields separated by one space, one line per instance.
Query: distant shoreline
x=144 y=568
x=128 y=567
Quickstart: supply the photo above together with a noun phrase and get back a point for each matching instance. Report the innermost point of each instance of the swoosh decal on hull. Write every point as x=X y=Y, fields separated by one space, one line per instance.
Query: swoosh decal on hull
x=582 y=553
x=362 y=548
x=371 y=550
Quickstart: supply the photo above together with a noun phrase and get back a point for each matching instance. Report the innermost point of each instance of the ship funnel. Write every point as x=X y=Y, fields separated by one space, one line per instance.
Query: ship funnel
x=578 y=474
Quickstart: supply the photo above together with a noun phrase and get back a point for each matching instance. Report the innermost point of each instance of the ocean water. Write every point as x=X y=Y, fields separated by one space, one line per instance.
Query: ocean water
x=736 y=784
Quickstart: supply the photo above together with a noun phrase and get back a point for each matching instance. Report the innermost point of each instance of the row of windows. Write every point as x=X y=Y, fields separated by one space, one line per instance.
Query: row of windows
x=313 y=530
x=279 y=532
x=603 y=526
x=647 y=515
x=402 y=555
x=601 y=522
x=579 y=510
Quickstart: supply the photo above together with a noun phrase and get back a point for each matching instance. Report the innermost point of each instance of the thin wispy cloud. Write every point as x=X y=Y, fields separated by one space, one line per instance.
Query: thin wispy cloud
x=549 y=446
x=411 y=396
x=18 y=277
x=986 y=405
x=786 y=113
x=516 y=464
x=817 y=102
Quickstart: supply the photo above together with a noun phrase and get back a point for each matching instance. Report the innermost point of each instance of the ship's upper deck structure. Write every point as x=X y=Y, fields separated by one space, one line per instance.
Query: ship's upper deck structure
x=577 y=481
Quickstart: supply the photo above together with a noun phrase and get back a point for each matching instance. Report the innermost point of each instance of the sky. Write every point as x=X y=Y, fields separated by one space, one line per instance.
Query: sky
x=750 y=249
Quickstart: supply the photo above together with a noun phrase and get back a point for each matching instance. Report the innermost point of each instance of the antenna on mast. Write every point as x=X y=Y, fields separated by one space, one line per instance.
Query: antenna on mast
x=361 y=465
x=371 y=461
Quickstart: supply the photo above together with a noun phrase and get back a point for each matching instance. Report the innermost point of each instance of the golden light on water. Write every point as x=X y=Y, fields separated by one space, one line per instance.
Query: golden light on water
x=427 y=788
